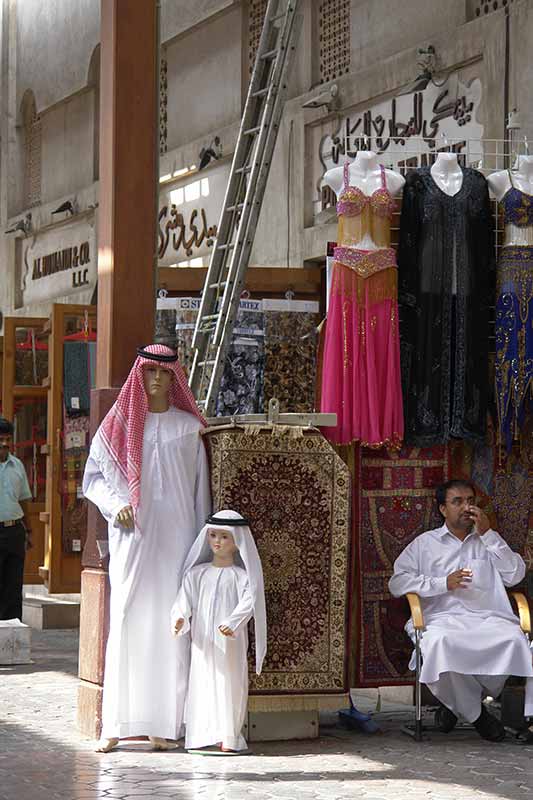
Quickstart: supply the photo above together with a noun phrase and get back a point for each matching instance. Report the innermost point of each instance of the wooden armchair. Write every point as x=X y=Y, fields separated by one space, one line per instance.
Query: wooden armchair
x=417 y=615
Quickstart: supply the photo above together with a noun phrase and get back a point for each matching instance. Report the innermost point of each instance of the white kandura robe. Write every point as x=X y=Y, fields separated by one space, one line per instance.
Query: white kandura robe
x=217 y=696
x=472 y=639
x=146 y=666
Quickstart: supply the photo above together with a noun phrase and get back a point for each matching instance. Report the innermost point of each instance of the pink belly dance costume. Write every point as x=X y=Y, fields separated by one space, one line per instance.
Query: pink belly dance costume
x=361 y=380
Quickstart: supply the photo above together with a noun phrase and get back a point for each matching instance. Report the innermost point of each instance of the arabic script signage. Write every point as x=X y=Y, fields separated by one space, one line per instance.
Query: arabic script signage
x=184 y=234
x=410 y=126
x=189 y=211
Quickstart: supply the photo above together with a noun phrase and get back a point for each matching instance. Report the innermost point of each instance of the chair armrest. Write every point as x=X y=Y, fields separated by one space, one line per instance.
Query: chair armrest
x=524 y=613
x=416 y=610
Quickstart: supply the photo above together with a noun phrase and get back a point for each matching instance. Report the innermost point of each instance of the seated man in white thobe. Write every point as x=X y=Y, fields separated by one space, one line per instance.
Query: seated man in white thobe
x=472 y=640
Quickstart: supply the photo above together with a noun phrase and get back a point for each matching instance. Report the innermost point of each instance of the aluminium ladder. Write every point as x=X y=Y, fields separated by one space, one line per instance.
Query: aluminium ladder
x=242 y=203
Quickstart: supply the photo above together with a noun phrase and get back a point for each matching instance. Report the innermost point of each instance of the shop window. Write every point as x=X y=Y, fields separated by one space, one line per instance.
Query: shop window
x=31 y=356
x=32 y=152
x=163 y=104
x=479 y=8
x=333 y=31
x=30 y=416
x=256 y=17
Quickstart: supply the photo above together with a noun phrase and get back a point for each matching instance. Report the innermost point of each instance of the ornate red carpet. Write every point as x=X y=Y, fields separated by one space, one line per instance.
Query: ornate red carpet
x=296 y=493
x=396 y=503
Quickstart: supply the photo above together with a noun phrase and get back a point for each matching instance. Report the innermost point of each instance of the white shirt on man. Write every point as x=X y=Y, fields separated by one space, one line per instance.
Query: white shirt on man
x=14 y=487
x=471 y=631
x=426 y=562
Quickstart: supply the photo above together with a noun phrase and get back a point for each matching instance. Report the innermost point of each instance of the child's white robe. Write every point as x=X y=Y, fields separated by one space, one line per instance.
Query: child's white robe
x=218 y=680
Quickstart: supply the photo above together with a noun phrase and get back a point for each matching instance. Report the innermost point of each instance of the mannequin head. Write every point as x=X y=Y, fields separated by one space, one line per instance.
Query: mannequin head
x=447 y=161
x=157 y=380
x=366 y=160
x=524 y=164
x=222 y=546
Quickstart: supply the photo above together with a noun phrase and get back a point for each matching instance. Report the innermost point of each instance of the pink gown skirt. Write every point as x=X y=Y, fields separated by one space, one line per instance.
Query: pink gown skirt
x=361 y=380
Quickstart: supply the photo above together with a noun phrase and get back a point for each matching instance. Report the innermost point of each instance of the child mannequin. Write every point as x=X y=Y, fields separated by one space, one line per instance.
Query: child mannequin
x=222 y=589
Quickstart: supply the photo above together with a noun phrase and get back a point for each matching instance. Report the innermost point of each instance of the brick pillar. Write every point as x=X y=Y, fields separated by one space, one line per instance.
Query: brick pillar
x=126 y=276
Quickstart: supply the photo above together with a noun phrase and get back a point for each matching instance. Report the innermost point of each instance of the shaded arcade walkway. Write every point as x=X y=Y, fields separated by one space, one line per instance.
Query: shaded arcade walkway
x=42 y=755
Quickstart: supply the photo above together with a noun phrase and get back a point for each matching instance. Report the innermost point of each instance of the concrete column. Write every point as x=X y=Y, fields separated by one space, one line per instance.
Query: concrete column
x=8 y=116
x=126 y=276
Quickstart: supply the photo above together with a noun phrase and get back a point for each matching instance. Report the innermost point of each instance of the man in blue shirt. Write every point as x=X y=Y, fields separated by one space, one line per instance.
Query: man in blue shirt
x=14 y=538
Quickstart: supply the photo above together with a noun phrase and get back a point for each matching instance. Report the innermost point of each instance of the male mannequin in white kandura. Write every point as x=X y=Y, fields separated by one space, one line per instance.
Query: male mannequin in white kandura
x=147 y=473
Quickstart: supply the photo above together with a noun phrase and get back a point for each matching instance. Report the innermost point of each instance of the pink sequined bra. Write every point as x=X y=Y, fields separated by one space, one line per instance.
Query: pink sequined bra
x=353 y=201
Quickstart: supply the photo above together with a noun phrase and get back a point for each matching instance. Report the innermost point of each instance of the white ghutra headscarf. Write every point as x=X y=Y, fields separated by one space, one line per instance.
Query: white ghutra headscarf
x=247 y=558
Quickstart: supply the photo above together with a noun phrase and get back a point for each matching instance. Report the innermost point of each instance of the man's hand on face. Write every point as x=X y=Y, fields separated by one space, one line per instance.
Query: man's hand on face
x=125 y=518
x=458 y=579
x=480 y=520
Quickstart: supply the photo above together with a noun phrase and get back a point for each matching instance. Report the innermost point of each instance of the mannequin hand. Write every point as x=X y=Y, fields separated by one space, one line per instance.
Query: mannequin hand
x=125 y=518
x=459 y=579
x=225 y=631
x=178 y=625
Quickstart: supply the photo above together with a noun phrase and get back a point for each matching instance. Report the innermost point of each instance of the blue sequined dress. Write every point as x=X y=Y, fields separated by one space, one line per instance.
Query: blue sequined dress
x=514 y=318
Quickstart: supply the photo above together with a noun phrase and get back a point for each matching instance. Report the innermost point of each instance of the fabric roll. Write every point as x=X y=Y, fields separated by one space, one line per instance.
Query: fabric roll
x=76 y=378
x=241 y=388
x=165 y=326
x=74 y=505
x=291 y=343
x=31 y=368
x=186 y=314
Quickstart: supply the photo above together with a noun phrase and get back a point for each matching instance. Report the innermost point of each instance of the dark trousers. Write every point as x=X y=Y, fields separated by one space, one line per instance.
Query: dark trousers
x=12 y=554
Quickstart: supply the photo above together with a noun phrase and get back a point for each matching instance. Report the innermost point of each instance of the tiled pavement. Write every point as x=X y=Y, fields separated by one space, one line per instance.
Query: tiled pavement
x=42 y=757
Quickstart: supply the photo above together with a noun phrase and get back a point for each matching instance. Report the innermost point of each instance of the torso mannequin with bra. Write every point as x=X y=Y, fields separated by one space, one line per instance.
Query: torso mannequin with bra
x=361 y=370
x=368 y=176
x=513 y=189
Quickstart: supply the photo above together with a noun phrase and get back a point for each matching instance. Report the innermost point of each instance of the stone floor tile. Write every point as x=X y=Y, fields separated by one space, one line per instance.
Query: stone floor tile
x=42 y=757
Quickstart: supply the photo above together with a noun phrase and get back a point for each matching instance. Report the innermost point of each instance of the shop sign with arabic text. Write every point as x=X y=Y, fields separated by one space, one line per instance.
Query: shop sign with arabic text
x=189 y=211
x=412 y=125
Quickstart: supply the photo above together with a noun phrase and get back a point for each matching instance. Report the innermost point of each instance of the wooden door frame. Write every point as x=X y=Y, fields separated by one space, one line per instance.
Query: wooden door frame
x=10 y=391
x=55 y=559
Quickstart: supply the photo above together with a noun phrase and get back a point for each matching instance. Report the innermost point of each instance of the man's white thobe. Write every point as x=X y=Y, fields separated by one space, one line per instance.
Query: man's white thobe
x=218 y=686
x=146 y=666
x=472 y=640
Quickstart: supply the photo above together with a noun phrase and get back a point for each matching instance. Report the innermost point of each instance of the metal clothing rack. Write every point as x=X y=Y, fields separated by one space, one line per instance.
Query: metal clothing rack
x=484 y=154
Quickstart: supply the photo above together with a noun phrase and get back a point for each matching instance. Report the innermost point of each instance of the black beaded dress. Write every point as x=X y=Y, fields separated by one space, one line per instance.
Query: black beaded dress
x=446 y=283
